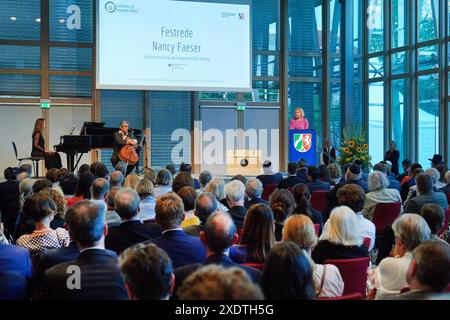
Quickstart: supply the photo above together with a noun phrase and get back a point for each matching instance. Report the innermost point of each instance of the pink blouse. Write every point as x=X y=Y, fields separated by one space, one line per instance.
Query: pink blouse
x=298 y=124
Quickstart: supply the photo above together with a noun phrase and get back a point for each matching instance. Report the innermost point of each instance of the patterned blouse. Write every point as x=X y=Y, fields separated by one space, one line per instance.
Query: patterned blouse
x=38 y=242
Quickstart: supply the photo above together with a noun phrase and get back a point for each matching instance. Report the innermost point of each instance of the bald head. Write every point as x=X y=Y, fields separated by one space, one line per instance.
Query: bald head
x=205 y=205
x=116 y=179
x=99 y=188
x=219 y=232
x=126 y=203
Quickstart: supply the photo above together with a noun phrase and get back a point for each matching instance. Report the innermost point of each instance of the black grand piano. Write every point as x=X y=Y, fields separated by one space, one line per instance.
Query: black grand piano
x=93 y=135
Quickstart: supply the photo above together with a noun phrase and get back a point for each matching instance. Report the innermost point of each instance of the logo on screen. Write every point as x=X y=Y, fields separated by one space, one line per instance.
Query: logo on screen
x=302 y=142
x=110 y=7
x=241 y=16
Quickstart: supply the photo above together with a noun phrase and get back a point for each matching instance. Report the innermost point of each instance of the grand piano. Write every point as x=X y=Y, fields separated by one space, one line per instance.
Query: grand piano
x=93 y=135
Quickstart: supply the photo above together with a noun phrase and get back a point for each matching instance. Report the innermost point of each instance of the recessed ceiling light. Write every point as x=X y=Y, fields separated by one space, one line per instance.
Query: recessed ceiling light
x=13 y=18
x=61 y=21
x=38 y=20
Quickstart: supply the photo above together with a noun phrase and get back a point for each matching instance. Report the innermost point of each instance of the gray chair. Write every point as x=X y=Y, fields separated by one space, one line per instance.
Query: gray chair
x=35 y=160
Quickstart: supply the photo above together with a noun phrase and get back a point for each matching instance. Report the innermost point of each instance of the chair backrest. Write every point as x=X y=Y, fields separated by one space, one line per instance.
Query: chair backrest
x=15 y=149
x=256 y=265
x=353 y=272
x=319 y=200
x=268 y=189
x=316 y=228
x=446 y=221
x=352 y=296
x=385 y=214
x=366 y=242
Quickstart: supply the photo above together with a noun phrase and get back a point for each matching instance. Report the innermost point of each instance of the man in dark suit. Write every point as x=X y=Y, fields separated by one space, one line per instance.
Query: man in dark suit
x=15 y=272
x=182 y=248
x=292 y=179
x=95 y=274
x=205 y=205
x=428 y=273
x=426 y=195
x=9 y=198
x=254 y=190
x=269 y=177
x=219 y=235
x=328 y=154
x=121 y=139
x=235 y=192
x=131 y=230
x=314 y=182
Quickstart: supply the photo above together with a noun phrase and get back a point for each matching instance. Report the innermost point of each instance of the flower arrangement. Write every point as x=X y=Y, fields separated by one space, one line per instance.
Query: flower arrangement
x=354 y=146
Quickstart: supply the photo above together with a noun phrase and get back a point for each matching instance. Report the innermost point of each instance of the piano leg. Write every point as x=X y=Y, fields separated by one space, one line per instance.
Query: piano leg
x=70 y=161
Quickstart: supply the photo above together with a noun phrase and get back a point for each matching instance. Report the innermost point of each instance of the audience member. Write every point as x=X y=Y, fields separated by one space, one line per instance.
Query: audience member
x=406 y=164
x=446 y=189
x=205 y=205
x=341 y=237
x=268 y=176
x=217 y=187
x=52 y=176
x=99 y=191
x=287 y=274
x=282 y=203
x=60 y=202
x=254 y=190
x=187 y=168
x=84 y=168
x=240 y=177
x=116 y=179
x=434 y=216
x=111 y=216
x=325 y=176
x=101 y=278
x=258 y=236
x=235 y=191
x=292 y=178
x=147 y=272
x=68 y=185
x=442 y=169
x=182 y=248
x=188 y=196
x=313 y=180
x=172 y=169
x=131 y=229
x=41 y=184
x=410 y=181
x=204 y=178
x=327 y=278
x=302 y=198
x=28 y=168
x=425 y=195
x=163 y=182
x=131 y=181
x=147 y=203
x=83 y=191
x=183 y=179
x=149 y=174
x=99 y=170
x=335 y=172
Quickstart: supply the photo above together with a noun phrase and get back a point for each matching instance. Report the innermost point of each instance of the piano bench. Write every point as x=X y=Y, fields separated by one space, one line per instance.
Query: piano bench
x=35 y=161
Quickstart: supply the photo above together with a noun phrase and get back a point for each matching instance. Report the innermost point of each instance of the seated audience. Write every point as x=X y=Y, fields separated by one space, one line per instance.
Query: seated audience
x=254 y=190
x=41 y=184
x=147 y=272
x=313 y=180
x=68 y=185
x=235 y=191
x=42 y=209
x=131 y=229
x=116 y=179
x=327 y=278
x=27 y=168
x=282 y=203
x=163 y=183
x=425 y=195
x=101 y=278
x=83 y=191
x=353 y=197
x=99 y=191
x=442 y=169
x=149 y=174
x=188 y=196
x=217 y=187
x=341 y=237
x=388 y=278
x=406 y=164
x=25 y=190
x=218 y=236
x=268 y=176
x=302 y=171
x=182 y=248
x=205 y=205
x=183 y=179
x=99 y=170
x=292 y=178
x=146 y=193
x=435 y=176
x=204 y=178
x=23 y=224
x=240 y=177
x=335 y=172
x=84 y=168
x=446 y=188
x=52 y=176
x=287 y=274
x=428 y=273
x=415 y=169
x=60 y=202
x=387 y=170
x=111 y=216
x=378 y=193
x=302 y=198
x=9 y=198
x=434 y=216
x=325 y=176
x=213 y=282
x=258 y=236
x=354 y=176
x=172 y=169
x=131 y=181
x=187 y=168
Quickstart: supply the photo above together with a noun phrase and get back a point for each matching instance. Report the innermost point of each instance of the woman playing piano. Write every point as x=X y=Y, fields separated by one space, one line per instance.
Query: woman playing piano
x=122 y=138
x=52 y=159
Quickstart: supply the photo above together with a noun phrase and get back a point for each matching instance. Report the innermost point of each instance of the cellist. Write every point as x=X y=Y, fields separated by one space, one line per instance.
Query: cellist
x=121 y=138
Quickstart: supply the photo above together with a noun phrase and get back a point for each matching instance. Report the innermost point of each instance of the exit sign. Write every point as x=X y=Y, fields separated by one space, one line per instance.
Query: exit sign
x=240 y=107
x=45 y=103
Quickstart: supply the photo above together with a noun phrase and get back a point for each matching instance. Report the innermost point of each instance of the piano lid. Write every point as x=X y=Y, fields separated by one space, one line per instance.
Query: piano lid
x=99 y=129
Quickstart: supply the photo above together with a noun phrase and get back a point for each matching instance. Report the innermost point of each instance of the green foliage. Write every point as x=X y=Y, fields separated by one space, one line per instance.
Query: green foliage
x=354 y=146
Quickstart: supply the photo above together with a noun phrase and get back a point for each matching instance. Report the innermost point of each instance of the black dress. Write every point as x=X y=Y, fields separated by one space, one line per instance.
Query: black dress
x=51 y=160
x=393 y=156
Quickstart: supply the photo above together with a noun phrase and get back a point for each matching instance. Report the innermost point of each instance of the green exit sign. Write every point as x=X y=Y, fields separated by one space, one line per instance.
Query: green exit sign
x=240 y=108
x=45 y=104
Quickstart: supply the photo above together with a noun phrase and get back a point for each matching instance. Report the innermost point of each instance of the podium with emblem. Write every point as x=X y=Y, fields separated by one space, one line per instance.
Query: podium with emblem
x=302 y=145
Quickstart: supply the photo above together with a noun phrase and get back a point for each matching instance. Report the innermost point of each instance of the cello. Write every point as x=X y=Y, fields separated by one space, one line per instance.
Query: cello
x=128 y=154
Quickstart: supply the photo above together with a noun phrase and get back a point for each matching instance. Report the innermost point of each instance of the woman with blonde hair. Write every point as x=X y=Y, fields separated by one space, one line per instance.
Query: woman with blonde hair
x=335 y=172
x=327 y=278
x=341 y=237
x=299 y=122
x=217 y=187
x=52 y=159
x=131 y=181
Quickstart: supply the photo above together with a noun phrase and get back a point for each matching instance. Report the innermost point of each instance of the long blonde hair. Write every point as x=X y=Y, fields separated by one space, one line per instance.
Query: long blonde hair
x=302 y=112
x=38 y=127
x=342 y=228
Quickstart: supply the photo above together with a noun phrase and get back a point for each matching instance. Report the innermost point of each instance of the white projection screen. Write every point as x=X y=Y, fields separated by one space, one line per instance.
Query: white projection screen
x=174 y=45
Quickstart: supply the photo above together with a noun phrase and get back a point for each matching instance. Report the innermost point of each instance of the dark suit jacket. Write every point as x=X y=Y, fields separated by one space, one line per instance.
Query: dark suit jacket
x=270 y=178
x=220 y=259
x=414 y=205
x=13 y=286
x=393 y=157
x=405 y=188
x=318 y=185
x=182 y=248
x=290 y=182
x=15 y=272
x=394 y=184
x=9 y=203
x=129 y=233
x=327 y=250
x=249 y=203
x=238 y=215
x=99 y=276
x=119 y=142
